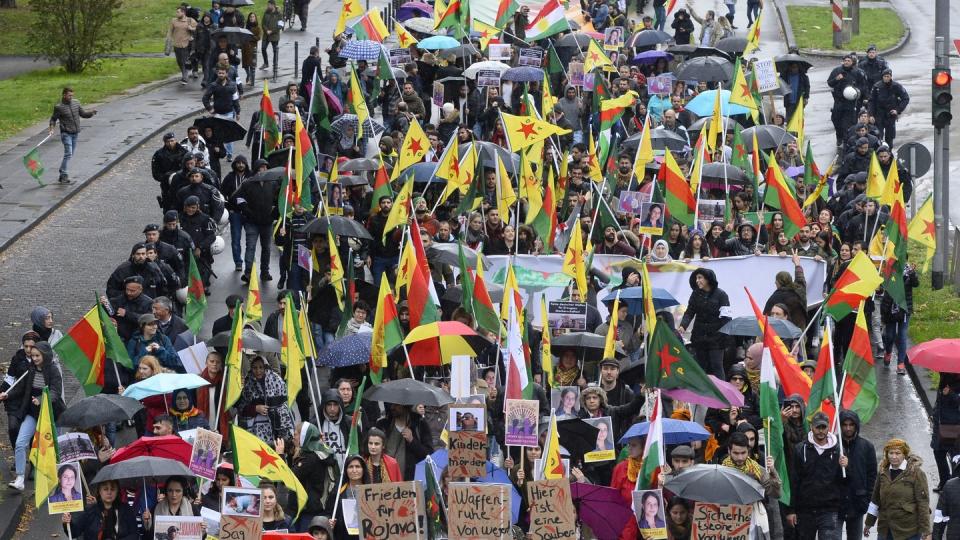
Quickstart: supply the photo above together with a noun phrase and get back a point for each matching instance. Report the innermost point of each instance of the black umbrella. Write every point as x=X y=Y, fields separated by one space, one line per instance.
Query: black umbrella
x=705 y=69
x=648 y=38
x=360 y=164
x=489 y=151
x=99 y=409
x=768 y=136
x=660 y=138
x=703 y=123
x=342 y=226
x=450 y=254
x=146 y=469
x=748 y=326
x=350 y=181
x=466 y=49
x=681 y=50
x=575 y=40
x=409 y=392
x=784 y=61
x=276 y=174
x=698 y=52
x=782 y=90
x=454 y=294
x=252 y=339
x=715 y=484
x=577 y=436
x=234 y=34
x=721 y=171
x=236 y=3
x=278 y=158
x=732 y=45
x=587 y=345
x=224 y=129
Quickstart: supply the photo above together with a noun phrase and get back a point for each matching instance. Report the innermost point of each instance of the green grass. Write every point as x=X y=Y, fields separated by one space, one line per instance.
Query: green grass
x=935 y=313
x=29 y=98
x=813 y=28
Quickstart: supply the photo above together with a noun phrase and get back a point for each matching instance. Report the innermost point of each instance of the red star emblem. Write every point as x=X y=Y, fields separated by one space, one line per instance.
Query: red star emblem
x=33 y=165
x=667 y=359
x=744 y=90
x=265 y=458
x=196 y=288
x=930 y=228
x=333 y=262
x=256 y=297
x=416 y=146
x=594 y=57
x=485 y=34
x=455 y=168
x=741 y=151
x=528 y=129
x=469 y=176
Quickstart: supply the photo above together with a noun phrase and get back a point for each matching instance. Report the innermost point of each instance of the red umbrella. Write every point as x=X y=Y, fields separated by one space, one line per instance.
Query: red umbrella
x=938 y=355
x=167 y=446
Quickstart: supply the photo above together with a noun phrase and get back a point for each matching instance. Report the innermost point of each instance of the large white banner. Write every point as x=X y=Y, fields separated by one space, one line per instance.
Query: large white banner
x=541 y=275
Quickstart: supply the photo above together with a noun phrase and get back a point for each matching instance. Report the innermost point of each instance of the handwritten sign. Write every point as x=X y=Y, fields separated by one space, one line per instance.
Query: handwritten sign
x=467 y=454
x=721 y=521
x=240 y=528
x=478 y=511
x=390 y=511
x=522 y=415
x=767 y=79
x=551 y=510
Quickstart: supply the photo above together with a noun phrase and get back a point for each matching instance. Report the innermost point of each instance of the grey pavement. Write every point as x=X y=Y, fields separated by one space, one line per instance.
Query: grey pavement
x=11 y=66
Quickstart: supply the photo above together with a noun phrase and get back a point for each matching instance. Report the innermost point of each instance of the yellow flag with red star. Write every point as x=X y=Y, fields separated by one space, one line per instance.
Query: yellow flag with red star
x=253 y=457
x=595 y=57
x=350 y=9
x=404 y=36
x=43 y=452
x=525 y=131
x=923 y=229
x=574 y=260
x=740 y=91
x=254 y=308
x=415 y=146
x=488 y=33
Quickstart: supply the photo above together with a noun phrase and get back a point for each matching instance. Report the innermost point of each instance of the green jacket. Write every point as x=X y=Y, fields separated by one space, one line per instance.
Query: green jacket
x=903 y=504
x=271 y=22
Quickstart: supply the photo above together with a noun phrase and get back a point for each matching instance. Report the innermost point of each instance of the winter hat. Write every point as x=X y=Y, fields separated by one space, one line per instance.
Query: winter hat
x=38 y=315
x=170 y=216
x=45 y=349
x=892 y=444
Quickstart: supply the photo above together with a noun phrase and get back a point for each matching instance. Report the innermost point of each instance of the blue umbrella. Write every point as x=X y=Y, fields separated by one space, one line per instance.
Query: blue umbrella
x=434 y=43
x=164 y=383
x=633 y=298
x=674 y=431
x=349 y=351
x=495 y=475
x=702 y=105
x=362 y=49
x=523 y=74
x=650 y=57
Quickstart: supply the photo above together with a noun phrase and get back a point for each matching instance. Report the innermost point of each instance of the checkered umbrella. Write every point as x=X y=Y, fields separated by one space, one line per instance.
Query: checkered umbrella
x=523 y=74
x=370 y=126
x=362 y=49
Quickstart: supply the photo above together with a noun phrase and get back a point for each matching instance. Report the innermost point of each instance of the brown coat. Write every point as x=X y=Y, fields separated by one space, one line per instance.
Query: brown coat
x=904 y=502
x=181 y=32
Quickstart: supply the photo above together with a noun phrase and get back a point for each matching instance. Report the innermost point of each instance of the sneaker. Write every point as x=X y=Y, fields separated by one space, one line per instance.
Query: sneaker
x=229 y=158
x=193 y=75
x=65 y=180
x=265 y=67
x=17 y=484
x=245 y=277
x=886 y=359
x=282 y=282
x=239 y=268
x=901 y=369
x=183 y=81
x=266 y=277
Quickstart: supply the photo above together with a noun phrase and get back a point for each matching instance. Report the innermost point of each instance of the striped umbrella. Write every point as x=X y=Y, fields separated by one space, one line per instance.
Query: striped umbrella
x=451 y=338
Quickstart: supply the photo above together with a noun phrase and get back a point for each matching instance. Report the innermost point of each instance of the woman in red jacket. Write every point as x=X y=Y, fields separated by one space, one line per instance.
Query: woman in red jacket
x=382 y=468
x=153 y=405
x=624 y=480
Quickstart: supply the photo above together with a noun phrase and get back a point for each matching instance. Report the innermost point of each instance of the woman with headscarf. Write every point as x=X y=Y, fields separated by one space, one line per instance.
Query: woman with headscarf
x=900 y=506
x=185 y=413
x=23 y=403
x=336 y=86
x=355 y=475
x=107 y=519
x=42 y=320
x=263 y=403
x=315 y=465
x=660 y=252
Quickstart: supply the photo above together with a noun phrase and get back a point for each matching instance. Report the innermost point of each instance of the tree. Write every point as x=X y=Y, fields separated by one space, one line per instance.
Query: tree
x=74 y=32
x=8 y=4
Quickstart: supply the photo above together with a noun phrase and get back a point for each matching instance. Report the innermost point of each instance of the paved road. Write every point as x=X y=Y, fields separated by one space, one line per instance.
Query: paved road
x=11 y=66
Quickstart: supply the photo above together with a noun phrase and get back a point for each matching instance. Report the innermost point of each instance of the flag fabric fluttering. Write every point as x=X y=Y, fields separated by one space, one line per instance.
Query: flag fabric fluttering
x=291 y=350
x=44 y=451
x=33 y=165
x=857 y=282
x=773 y=422
x=253 y=457
x=233 y=363
x=923 y=230
x=670 y=365
x=859 y=390
x=86 y=346
x=653 y=451
x=196 y=297
x=254 y=308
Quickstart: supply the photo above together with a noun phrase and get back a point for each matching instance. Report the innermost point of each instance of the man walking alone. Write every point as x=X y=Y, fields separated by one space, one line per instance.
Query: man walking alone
x=68 y=112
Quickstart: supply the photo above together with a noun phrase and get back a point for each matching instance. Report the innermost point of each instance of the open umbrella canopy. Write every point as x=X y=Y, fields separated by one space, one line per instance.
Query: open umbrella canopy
x=715 y=484
x=224 y=129
x=651 y=57
x=724 y=171
x=704 y=123
x=332 y=101
x=438 y=43
x=748 y=326
x=633 y=298
x=251 y=339
x=939 y=355
x=423 y=25
x=486 y=65
x=423 y=173
x=166 y=446
x=350 y=181
x=705 y=69
x=660 y=138
x=164 y=383
x=341 y=226
x=733 y=395
x=733 y=45
x=413 y=9
x=575 y=40
x=577 y=436
x=362 y=49
x=768 y=137
x=489 y=151
x=601 y=508
x=450 y=254
x=648 y=38
x=97 y=410
x=523 y=74
x=351 y=350
x=704 y=103
x=143 y=469
x=344 y=122
x=674 y=431
x=276 y=174
x=784 y=61
x=454 y=294
x=234 y=34
x=408 y=392
x=586 y=345
x=360 y=164
x=454 y=339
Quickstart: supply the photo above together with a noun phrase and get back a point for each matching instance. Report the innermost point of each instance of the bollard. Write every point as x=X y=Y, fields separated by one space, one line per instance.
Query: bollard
x=846 y=30
x=276 y=65
x=853 y=9
x=318 y=43
x=296 y=59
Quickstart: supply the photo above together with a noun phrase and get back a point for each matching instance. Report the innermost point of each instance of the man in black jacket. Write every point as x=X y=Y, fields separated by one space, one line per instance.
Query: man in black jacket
x=844 y=111
x=256 y=199
x=817 y=482
x=211 y=201
x=166 y=161
x=409 y=439
x=173 y=235
x=165 y=251
x=136 y=265
x=127 y=307
x=203 y=231
x=888 y=100
x=862 y=473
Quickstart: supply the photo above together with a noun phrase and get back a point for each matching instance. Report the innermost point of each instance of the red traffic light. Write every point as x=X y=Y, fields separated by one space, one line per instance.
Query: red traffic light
x=942 y=78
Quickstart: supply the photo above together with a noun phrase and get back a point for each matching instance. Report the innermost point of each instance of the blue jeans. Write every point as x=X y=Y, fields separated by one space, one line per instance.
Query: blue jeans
x=253 y=232
x=236 y=234
x=27 y=428
x=69 y=141
x=660 y=16
x=381 y=265
x=229 y=146
x=753 y=12
x=896 y=333
x=731 y=10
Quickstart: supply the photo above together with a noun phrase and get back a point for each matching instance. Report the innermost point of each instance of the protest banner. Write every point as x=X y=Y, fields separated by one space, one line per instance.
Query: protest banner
x=721 y=521
x=467 y=454
x=177 y=528
x=206 y=451
x=68 y=495
x=499 y=52
x=399 y=57
x=551 y=510
x=521 y=428
x=648 y=509
x=75 y=446
x=240 y=527
x=478 y=511
x=767 y=78
x=390 y=511
x=567 y=315
x=604 y=451
x=488 y=77
x=530 y=57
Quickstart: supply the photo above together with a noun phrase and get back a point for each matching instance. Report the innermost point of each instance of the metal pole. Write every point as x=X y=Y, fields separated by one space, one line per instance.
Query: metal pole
x=853 y=9
x=837 y=24
x=941 y=156
x=296 y=60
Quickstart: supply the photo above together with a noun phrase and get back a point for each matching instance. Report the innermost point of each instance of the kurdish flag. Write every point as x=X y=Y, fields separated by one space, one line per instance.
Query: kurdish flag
x=505 y=11
x=823 y=393
x=544 y=222
x=404 y=37
x=353 y=440
x=611 y=110
x=524 y=131
x=253 y=457
x=44 y=451
x=895 y=263
x=549 y=21
x=594 y=57
x=574 y=260
x=857 y=282
x=780 y=195
x=923 y=229
x=381 y=188
x=371 y=27
x=268 y=121
x=859 y=392
x=387 y=333
x=653 y=450
x=86 y=346
x=670 y=365
x=772 y=421
x=350 y=9
x=305 y=162
x=681 y=204
x=483 y=312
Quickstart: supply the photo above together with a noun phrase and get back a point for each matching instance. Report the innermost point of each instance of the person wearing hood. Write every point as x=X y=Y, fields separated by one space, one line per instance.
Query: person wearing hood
x=19 y=365
x=793 y=412
x=792 y=292
x=862 y=473
x=449 y=122
x=572 y=107
x=709 y=309
x=745 y=243
x=817 y=482
x=334 y=424
x=320 y=528
x=316 y=467
x=724 y=422
x=900 y=506
x=408 y=438
x=628 y=336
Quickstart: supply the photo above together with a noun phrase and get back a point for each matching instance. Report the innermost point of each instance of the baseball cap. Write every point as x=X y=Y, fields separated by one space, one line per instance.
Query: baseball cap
x=820 y=420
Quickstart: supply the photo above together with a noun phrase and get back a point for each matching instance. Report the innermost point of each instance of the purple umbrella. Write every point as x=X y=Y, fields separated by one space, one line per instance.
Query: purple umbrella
x=601 y=508
x=332 y=101
x=651 y=57
x=410 y=10
x=728 y=390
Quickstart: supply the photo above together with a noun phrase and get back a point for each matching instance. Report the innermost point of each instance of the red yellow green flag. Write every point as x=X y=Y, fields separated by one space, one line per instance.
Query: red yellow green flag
x=681 y=204
x=857 y=282
x=780 y=196
x=268 y=122
x=859 y=392
x=387 y=333
x=196 y=297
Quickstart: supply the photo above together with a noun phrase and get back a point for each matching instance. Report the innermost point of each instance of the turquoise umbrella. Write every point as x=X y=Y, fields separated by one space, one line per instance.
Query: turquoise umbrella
x=703 y=104
x=434 y=43
x=164 y=383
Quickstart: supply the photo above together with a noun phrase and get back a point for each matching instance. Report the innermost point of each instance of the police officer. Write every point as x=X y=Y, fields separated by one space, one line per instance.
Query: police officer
x=872 y=66
x=845 y=107
x=888 y=99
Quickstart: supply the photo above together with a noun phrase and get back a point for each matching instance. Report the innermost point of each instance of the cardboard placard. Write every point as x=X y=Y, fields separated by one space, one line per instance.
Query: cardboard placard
x=399 y=57
x=563 y=314
x=75 y=446
x=521 y=428
x=767 y=78
x=488 y=77
x=604 y=450
x=206 y=452
x=390 y=511
x=478 y=511
x=194 y=358
x=551 y=510
x=648 y=508
x=530 y=56
x=240 y=527
x=575 y=71
x=68 y=495
x=721 y=521
x=499 y=51
x=177 y=528
x=467 y=454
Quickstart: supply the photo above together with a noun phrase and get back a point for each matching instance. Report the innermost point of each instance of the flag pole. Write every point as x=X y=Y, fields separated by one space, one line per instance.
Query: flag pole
x=314 y=388
x=836 y=397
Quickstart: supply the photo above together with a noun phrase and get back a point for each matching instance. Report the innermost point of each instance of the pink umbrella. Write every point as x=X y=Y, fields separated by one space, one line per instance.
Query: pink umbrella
x=939 y=355
x=332 y=101
x=728 y=390
x=601 y=508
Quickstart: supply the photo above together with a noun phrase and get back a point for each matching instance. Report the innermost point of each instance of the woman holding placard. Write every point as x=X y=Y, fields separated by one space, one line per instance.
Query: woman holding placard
x=356 y=474
x=105 y=519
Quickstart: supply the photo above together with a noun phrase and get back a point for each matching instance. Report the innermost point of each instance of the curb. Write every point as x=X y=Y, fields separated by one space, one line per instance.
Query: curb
x=791 y=41
x=11 y=528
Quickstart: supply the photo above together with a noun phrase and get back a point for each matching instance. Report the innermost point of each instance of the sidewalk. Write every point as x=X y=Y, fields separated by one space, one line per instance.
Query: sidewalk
x=124 y=123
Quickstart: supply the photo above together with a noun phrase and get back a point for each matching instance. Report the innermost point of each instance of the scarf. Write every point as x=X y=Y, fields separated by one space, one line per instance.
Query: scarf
x=566 y=376
x=633 y=468
x=109 y=524
x=749 y=467
x=183 y=416
x=384 y=474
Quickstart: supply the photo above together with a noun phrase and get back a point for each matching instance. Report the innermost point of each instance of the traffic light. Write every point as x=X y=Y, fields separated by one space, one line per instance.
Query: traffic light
x=941 y=97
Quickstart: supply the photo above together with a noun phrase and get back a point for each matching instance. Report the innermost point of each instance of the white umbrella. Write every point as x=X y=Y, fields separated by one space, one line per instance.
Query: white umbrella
x=471 y=72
